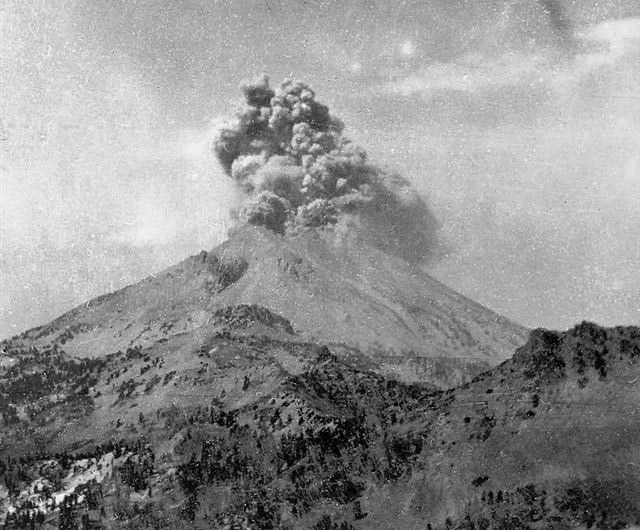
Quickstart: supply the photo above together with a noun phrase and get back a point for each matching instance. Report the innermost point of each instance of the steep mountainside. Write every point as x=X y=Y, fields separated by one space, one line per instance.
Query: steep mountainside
x=332 y=288
x=257 y=428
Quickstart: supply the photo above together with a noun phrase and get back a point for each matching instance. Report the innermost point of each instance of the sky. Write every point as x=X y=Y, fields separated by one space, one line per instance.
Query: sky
x=517 y=121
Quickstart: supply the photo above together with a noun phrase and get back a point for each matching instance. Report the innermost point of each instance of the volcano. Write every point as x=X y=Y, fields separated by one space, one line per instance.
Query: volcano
x=308 y=373
x=334 y=289
x=326 y=239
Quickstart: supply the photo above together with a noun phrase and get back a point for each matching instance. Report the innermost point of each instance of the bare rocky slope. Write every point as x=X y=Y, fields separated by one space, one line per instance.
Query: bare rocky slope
x=334 y=290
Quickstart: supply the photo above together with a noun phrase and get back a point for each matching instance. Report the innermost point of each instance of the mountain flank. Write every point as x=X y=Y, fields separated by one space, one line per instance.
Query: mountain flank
x=259 y=428
x=333 y=288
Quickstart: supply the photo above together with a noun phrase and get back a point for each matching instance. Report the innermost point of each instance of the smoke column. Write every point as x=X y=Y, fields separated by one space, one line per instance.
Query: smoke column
x=287 y=154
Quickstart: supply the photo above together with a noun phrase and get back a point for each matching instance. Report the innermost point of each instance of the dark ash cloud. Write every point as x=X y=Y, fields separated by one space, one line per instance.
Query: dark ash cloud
x=288 y=155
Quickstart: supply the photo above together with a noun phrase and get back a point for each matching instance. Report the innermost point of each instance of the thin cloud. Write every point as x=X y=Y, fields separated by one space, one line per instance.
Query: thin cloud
x=603 y=46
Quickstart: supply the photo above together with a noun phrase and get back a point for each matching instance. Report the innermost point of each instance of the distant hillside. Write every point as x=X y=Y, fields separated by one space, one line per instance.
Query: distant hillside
x=258 y=428
x=333 y=289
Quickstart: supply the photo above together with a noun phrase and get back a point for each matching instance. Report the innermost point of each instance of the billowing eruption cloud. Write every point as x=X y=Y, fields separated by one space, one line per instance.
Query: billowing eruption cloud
x=288 y=155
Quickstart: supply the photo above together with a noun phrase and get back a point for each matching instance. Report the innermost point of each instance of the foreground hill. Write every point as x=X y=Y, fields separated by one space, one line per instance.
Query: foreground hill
x=333 y=289
x=259 y=428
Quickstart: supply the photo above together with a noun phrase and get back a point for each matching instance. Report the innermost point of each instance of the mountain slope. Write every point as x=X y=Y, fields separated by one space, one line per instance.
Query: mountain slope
x=551 y=429
x=52 y=400
x=332 y=287
x=260 y=429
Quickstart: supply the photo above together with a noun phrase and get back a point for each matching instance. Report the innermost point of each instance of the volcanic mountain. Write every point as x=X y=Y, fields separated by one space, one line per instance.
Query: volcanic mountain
x=334 y=289
x=325 y=239
x=308 y=373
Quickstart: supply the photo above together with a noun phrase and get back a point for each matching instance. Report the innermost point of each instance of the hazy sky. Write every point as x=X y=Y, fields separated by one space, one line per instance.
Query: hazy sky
x=518 y=121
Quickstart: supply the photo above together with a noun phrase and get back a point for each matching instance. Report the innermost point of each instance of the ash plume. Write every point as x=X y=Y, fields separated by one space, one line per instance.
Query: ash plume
x=286 y=152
